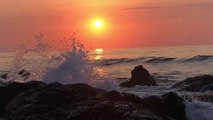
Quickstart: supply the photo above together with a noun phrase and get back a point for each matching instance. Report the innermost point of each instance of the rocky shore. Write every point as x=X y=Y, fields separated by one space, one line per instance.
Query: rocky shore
x=202 y=83
x=36 y=100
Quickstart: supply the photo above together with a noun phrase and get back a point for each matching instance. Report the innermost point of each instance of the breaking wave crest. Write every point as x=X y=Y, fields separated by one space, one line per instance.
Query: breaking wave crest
x=153 y=59
x=72 y=66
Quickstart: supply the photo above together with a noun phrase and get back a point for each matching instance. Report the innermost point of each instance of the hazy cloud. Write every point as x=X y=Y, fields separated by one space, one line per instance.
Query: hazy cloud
x=202 y=5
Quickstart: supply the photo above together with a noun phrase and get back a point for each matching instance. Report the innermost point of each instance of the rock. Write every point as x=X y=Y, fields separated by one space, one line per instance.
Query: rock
x=4 y=76
x=54 y=84
x=83 y=102
x=140 y=76
x=173 y=106
x=198 y=96
x=113 y=95
x=196 y=84
x=208 y=87
x=10 y=90
x=24 y=73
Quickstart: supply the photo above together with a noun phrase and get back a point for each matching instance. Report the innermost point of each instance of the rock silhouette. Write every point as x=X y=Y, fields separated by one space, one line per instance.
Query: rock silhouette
x=140 y=76
x=196 y=84
x=10 y=90
x=83 y=102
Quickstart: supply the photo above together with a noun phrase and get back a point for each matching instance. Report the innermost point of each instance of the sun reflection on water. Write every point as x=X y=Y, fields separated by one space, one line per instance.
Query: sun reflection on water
x=99 y=54
x=99 y=51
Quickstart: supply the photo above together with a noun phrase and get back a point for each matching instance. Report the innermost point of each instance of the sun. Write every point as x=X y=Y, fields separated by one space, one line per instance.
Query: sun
x=98 y=24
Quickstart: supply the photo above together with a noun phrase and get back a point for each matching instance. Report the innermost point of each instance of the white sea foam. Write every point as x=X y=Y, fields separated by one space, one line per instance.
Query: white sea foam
x=146 y=91
x=197 y=110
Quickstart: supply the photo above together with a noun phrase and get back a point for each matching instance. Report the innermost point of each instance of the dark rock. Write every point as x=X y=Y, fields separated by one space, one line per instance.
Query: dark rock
x=4 y=76
x=143 y=115
x=173 y=106
x=54 y=84
x=24 y=73
x=196 y=84
x=208 y=87
x=140 y=76
x=83 y=102
x=201 y=97
x=10 y=90
x=113 y=95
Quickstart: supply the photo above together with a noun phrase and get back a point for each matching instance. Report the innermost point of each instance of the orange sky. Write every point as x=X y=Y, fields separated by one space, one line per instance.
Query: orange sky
x=141 y=23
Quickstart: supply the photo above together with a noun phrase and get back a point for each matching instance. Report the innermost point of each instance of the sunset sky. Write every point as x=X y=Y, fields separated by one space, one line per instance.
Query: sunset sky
x=127 y=23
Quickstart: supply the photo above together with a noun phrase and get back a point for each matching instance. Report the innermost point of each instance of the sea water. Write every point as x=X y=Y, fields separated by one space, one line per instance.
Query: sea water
x=106 y=68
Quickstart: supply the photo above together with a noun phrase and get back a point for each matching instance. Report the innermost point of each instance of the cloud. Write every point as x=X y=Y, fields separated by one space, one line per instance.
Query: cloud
x=200 y=5
x=144 y=7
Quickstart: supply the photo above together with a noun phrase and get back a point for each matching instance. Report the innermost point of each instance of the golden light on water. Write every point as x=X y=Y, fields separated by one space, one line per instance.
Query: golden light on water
x=99 y=51
x=99 y=54
x=98 y=57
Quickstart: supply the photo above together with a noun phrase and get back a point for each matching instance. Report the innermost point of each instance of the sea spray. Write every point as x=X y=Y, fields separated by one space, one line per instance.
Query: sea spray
x=73 y=69
x=66 y=67
x=32 y=59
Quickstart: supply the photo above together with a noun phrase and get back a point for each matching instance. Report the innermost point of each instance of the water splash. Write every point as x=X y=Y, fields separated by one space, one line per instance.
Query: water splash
x=70 y=66
x=73 y=67
x=33 y=60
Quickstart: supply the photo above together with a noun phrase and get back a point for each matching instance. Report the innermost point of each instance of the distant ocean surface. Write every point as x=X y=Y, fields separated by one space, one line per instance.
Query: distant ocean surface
x=164 y=63
x=112 y=66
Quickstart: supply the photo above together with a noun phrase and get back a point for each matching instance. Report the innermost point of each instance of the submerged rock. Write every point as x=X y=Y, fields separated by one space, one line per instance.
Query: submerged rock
x=196 y=84
x=83 y=102
x=10 y=90
x=140 y=76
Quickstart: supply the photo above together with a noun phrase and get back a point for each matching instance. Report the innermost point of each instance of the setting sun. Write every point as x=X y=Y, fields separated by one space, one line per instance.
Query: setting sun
x=97 y=23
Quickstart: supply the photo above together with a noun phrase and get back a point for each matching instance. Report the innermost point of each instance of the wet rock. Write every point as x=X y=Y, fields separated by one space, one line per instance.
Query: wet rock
x=24 y=73
x=54 y=84
x=83 y=102
x=196 y=84
x=140 y=76
x=10 y=90
x=207 y=88
x=4 y=76
x=113 y=95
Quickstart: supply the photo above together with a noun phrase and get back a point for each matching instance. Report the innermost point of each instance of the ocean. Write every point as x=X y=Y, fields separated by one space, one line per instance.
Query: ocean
x=106 y=68
x=165 y=63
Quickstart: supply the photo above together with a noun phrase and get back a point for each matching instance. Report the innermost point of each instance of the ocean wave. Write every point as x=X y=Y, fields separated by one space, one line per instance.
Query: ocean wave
x=160 y=59
x=199 y=58
x=154 y=60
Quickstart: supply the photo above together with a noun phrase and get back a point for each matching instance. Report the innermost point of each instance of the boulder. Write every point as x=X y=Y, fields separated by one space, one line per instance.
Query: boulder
x=10 y=90
x=196 y=84
x=83 y=102
x=140 y=76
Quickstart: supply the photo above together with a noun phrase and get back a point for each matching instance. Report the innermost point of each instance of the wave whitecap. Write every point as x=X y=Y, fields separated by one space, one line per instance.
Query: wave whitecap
x=153 y=59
